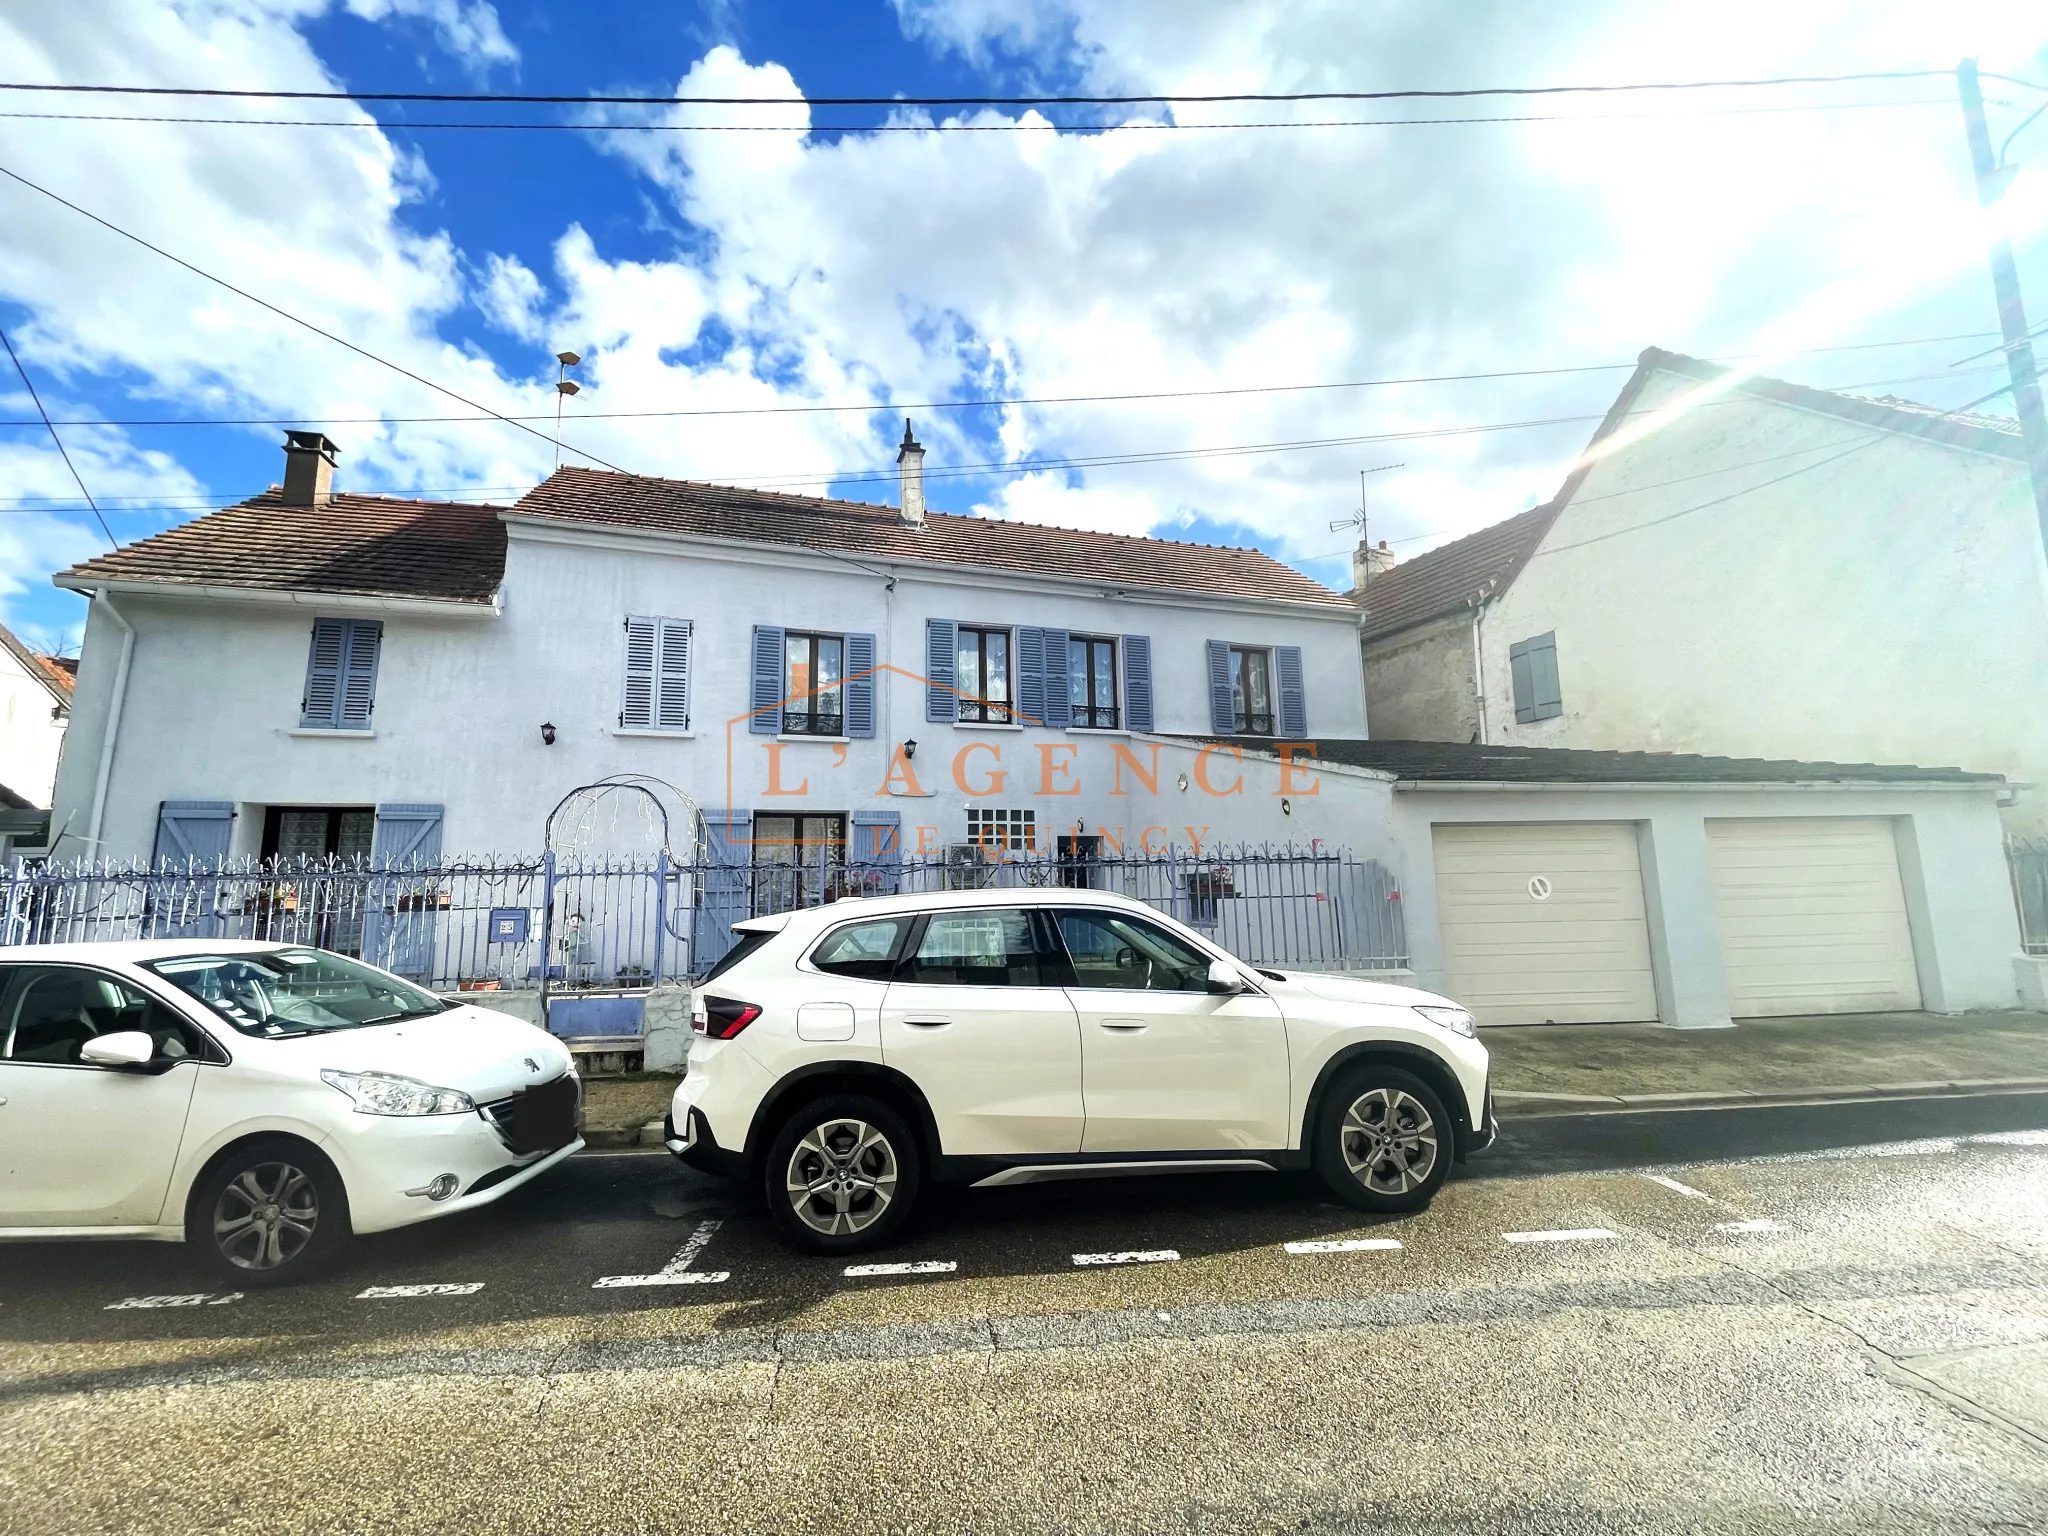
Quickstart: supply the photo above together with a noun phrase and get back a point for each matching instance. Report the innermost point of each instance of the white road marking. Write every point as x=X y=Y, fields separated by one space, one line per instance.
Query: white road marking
x=193 y=1299
x=1130 y=1256
x=677 y=1270
x=2010 y=1139
x=1346 y=1245
x=920 y=1267
x=386 y=1292
x=1761 y=1224
x=1677 y=1188
x=1562 y=1235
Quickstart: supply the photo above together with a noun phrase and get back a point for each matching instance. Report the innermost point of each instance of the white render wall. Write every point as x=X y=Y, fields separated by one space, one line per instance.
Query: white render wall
x=1890 y=605
x=31 y=738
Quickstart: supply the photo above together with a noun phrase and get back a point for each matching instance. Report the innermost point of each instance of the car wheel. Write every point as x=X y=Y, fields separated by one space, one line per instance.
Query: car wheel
x=842 y=1175
x=269 y=1213
x=1383 y=1141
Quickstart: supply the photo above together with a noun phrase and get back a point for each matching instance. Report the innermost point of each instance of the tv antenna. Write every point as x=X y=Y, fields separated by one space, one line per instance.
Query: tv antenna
x=564 y=388
x=1357 y=519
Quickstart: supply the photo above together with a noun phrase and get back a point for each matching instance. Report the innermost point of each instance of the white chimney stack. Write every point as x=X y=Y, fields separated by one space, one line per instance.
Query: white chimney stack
x=910 y=468
x=308 y=469
x=1368 y=561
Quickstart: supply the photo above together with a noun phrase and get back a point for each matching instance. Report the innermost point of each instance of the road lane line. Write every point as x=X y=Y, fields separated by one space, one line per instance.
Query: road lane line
x=1760 y=1224
x=677 y=1270
x=919 y=1267
x=190 y=1299
x=2010 y=1139
x=1346 y=1245
x=1562 y=1235
x=388 y=1292
x=1681 y=1189
x=1129 y=1256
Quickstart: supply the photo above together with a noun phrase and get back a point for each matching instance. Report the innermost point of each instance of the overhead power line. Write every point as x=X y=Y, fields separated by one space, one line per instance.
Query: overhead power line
x=63 y=452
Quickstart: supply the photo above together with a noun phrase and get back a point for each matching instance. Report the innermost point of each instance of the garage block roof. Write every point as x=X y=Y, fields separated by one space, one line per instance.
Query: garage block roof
x=1453 y=762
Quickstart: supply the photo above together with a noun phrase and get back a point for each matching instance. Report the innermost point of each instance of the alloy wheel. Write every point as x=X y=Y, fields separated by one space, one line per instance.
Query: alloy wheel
x=266 y=1216
x=1389 y=1141
x=842 y=1177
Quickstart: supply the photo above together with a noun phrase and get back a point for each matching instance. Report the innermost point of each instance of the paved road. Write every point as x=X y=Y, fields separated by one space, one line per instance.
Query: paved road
x=1834 y=1339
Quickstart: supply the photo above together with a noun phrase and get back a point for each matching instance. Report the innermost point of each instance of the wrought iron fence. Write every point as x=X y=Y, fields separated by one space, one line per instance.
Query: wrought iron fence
x=2029 y=859
x=502 y=924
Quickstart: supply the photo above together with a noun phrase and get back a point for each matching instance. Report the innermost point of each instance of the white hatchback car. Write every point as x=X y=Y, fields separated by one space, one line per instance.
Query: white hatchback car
x=849 y=1053
x=260 y=1101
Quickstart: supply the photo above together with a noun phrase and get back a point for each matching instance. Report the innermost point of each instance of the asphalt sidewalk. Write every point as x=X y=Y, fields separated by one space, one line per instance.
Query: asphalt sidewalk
x=1586 y=1068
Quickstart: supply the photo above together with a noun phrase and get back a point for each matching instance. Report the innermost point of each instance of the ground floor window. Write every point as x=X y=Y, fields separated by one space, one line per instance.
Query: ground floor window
x=997 y=830
x=798 y=860
x=294 y=832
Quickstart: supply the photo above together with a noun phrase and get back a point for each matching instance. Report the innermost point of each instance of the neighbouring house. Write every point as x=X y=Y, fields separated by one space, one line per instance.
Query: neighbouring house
x=1743 y=566
x=35 y=706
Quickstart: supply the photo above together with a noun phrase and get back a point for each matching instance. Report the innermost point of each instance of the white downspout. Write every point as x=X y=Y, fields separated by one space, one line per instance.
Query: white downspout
x=113 y=727
x=1479 y=668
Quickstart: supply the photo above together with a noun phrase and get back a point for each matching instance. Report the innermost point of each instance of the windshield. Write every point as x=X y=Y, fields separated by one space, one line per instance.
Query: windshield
x=296 y=991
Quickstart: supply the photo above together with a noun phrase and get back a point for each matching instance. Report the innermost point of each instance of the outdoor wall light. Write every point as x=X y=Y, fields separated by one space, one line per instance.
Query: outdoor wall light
x=910 y=749
x=1286 y=807
x=1182 y=781
x=547 y=733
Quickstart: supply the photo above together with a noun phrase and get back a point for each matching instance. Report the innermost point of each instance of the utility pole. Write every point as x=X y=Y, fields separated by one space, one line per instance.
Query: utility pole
x=1992 y=180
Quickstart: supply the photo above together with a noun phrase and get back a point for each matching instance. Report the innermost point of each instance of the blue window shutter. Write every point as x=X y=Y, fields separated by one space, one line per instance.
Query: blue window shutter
x=941 y=670
x=672 y=685
x=320 y=706
x=1293 y=693
x=1031 y=676
x=1524 y=681
x=1533 y=663
x=878 y=849
x=359 y=673
x=194 y=831
x=1137 y=682
x=1059 y=705
x=860 y=685
x=636 y=701
x=723 y=891
x=770 y=672
x=408 y=836
x=1222 y=718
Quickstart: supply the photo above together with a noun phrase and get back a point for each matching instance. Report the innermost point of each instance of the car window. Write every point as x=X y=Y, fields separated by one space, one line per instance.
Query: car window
x=295 y=991
x=48 y=1012
x=866 y=951
x=1114 y=951
x=982 y=948
x=745 y=942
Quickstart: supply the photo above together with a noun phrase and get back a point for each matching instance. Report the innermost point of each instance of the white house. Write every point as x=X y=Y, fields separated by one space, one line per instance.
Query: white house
x=1749 y=567
x=35 y=704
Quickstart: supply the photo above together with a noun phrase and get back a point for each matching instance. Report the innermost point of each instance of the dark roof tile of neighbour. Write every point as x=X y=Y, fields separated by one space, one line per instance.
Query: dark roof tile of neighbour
x=1453 y=575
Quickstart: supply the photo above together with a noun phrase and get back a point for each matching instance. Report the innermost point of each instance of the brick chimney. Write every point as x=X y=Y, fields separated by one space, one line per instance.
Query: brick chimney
x=910 y=469
x=308 y=469
x=1368 y=562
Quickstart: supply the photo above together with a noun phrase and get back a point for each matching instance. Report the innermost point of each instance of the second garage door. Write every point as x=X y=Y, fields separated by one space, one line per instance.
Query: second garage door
x=1544 y=923
x=1813 y=916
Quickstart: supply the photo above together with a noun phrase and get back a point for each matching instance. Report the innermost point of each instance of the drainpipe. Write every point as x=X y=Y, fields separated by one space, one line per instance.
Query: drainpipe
x=1479 y=668
x=113 y=726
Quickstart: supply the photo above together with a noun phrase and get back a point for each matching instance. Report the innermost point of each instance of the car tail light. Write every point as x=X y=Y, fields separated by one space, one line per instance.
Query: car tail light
x=723 y=1018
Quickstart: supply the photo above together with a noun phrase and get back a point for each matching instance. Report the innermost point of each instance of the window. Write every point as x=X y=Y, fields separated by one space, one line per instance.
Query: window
x=984 y=674
x=1534 y=665
x=657 y=691
x=797 y=860
x=341 y=675
x=864 y=951
x=744 y=944
x=1111 y=951
x=1251 y=692
x=296 y=832
x=48 y=1012
x=985 y=948
x=1091 y=682
x=296 y=991
x=996 y=830
x=814 y=685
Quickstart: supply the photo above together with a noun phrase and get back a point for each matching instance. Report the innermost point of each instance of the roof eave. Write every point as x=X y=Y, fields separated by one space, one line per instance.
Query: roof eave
x=295 y=597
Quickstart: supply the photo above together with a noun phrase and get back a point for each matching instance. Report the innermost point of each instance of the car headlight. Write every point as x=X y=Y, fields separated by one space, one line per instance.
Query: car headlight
x=1456 y=1020
x=383 y=1093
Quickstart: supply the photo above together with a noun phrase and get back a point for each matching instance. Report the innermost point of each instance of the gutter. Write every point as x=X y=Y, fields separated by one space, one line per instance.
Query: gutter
x=114 y=710
x=324 y=602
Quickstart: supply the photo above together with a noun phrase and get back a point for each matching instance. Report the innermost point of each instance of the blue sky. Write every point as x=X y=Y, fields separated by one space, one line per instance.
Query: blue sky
x=715 y=271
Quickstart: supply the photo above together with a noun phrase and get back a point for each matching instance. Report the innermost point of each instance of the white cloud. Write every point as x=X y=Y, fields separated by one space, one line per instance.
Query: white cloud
x=468 y=29
x=511 y=297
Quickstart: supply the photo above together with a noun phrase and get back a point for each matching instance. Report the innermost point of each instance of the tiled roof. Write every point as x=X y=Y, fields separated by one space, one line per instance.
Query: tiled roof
x=1452 y=575
x=383 y=546
x=859 y=528
x=1461 y=762
x=51 y=671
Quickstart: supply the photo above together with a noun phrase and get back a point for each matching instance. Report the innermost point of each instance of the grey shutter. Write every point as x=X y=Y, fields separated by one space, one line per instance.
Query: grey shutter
x=1533 y=664
x=1293 y=694
x=860 y=685
x=722 y=894
x=672 y=684
x=194 y=832
x=1059 y=704
x=320 y=705
x=941 y=671
x=1031 y=676
x=408 y=836
x=359 y=673
x=400 y=912
x=636 y=701
x=1137 y=682
x=1222 y=718
x=879 y=853
x=770 y=674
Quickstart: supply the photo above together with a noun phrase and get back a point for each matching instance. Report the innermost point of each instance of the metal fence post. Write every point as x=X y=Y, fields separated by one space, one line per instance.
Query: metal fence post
x=547 y=928
x=660 y=912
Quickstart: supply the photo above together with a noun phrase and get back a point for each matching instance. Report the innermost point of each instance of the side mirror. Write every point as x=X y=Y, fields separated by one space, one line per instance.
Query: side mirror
x=128 y=1048
x=1223 y=977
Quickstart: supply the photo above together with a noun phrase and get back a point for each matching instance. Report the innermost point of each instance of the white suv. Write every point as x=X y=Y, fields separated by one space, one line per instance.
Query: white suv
x=847 y=1054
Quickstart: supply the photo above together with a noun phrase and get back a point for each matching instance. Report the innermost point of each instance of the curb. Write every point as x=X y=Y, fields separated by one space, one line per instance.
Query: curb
x=648 y=1135
x=1512 y=1104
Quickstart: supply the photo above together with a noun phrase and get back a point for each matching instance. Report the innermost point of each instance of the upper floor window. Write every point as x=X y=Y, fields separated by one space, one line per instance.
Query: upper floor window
x=1091 y=682
x=984 y=674
x=1534 y=665
x=341 y=675
x=657 y=690
x=815 y=673
x=1251 y=691
x=1257 y=690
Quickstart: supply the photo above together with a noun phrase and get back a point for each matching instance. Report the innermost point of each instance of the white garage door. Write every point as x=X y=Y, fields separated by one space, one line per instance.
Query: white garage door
x=1544 y=923
x=1813 y=917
